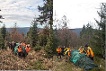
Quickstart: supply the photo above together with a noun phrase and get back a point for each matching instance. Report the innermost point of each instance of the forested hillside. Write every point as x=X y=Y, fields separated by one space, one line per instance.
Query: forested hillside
x=52 y=48
x=26 y=29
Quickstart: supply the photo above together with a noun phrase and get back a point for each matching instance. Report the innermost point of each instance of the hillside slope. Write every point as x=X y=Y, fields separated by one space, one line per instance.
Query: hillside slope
x=36 y=61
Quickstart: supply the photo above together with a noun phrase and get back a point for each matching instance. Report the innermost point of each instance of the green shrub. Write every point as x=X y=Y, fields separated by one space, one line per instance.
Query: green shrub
x=48 y=51
x=37 y=48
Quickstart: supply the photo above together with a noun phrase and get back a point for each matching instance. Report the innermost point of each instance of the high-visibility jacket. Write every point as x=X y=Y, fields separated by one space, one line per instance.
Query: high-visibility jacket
x=81 y=50
x=90 y=52
x=19 y=49
x=67 y=51
x=27 y=49
x=59 y=50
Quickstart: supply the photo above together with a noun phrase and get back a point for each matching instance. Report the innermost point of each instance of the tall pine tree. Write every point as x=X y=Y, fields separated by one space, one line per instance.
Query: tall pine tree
x=99 y=38
x=2 y=34
x=47 y=17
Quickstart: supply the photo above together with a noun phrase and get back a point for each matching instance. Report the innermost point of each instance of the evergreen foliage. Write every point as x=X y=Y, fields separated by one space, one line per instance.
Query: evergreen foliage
x=2 y=37
x=47 y=17
x=1 y=42
x=86 y=34
x=3 y=32
x=99 y=38
x=33 y=35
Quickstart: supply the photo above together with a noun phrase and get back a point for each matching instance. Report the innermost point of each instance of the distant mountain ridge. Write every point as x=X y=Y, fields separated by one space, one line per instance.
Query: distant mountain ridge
x=77 y=31
x=20 y=29
x=26 y=29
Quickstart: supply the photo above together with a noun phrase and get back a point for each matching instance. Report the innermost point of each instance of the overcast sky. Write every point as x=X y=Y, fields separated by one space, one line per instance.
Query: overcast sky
x=21 y=12
x=78 y=12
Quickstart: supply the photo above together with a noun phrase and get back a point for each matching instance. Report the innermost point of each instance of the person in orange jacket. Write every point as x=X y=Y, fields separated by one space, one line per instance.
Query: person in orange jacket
x=89 y=52
x=81 y=49
x=19 y=50
x=27 y=48
x=59 y=50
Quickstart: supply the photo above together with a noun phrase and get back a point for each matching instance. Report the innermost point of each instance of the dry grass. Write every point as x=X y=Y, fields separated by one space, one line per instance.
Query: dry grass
x=9 y=61
x=36 y=61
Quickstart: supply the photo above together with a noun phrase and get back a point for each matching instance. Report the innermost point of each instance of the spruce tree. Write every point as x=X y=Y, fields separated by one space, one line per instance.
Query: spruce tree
x=47 y=17
x=99 y=38
x=33 y=33
x=2 y=34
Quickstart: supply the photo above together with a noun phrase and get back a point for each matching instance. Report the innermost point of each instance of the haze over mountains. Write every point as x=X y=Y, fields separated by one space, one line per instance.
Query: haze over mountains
x=26 y=29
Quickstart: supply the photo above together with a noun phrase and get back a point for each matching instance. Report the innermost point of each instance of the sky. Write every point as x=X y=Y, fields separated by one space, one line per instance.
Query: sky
x=78 y=12
x=21 y=12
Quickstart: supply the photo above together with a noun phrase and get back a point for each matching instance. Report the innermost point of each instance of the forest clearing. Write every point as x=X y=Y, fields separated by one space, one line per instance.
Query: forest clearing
x=37 y=61
x=48 y=43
